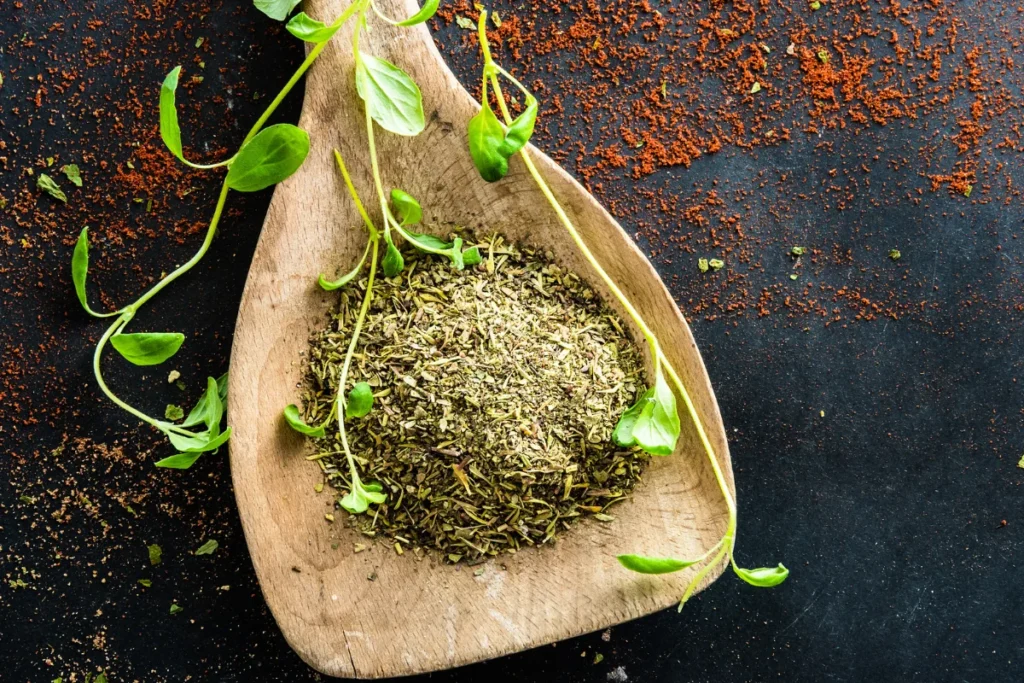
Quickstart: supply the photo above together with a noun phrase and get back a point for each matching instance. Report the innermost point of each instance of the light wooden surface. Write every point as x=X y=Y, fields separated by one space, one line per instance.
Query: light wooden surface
x=419 y=616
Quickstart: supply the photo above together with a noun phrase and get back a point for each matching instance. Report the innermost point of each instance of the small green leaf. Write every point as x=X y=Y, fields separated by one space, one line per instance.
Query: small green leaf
x=175 y=608
x=360 y=400
x=147 y=348
x=652 y=565
x=80 y=270
x=657 y=427
x=331 y=285
x=100 y=678
x=472 y=256
x=173 y=412
x=407 y=209
x=392 y=98
x=196 y=443
x=763 y=577
x=393 y=262
x=270 y=157
x=358 y=500
x=486 y=137
x=207 y=548
x=428 y=10
x=49 y=185
x=623 y=433
x=73 y=174
x=181 y=461
x=276 y=9
x=521 y=130
x=310 y=30
x=169 y=129
x=295 y=421
x=145 y=583
x=209 y=409
x=156 y=554
x=465 y=22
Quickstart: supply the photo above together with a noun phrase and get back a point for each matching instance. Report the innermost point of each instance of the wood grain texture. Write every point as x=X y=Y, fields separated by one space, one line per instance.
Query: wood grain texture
x=422 y=616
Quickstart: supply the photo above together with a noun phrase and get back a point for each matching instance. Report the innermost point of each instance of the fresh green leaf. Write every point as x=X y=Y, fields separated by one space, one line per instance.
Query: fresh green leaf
x=145 y=583
x=392 y=98
x=407 y=209
x=428 y=243
x=173 y=412
x=274 y=154
x=73 y=174
x=360 y=400
x=623 y=432
x=428 y=10
x=196 y=443
x=156 y=554
x=147 y=348
x=169 y=129
x=175 y=608
x=181 y=461
x=49 y=185
x=521 y=129
x=209 y=409
x=310 y=30
x=763 y=577
x=393 y=262
x=100 y=678
x=276 y=9
x=359 y=498
x=295 y=421
x=207 y=548
x=486 y=137
x=652 y=565
x=472 y=256
x=80 y=270
x=657 y=427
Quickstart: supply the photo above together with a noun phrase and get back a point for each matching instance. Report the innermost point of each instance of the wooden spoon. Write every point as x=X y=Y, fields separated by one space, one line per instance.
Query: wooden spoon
x=377 y=614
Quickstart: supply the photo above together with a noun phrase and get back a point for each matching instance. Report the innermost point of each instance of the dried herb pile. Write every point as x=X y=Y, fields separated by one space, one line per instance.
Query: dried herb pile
x=496 y=392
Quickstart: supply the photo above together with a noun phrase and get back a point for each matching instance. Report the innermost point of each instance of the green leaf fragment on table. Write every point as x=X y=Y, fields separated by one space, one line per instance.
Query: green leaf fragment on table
x=652 y=565
x=798 y=251
x=756 y=88
x=145 y=583
x=360 y=400
x=73 y=173
x=895 y=254
x=1020 y=463
x=763 y=577
x=496 y=19
x=173 y=412
x=176 y=608
x=465 y=22
x=428 y=10
x=272 y=156
x=50 y=187
x=392 y=98
x=207 y=548
x=702 y=263
x=295 y=421
x=310 y=30
x=147 y=348
x=276 y=9
x=156 y=554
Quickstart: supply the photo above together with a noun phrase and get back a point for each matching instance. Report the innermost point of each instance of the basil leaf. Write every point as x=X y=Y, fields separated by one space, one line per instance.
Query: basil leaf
x=486 y=137
x=209 y=409
x=657 y=427
x=392 y=98
x=763 y=577
x=147 y=348
x=80 y=271
x=305 y=28
x=197 y=443
x=295 y=421
x=331 y=285
x=360 y=400
x=652 y=565
x=170 y=132
x=521 y=130
x=50 y=187
x=73 y=173
x=270 y=157
x=408 y=210
x=425 y=242
x=276 y=9
x=181 y=461
x=393 y=262
x=428 y=10
x=472 y=256
x=623 y=433
x=359 y=498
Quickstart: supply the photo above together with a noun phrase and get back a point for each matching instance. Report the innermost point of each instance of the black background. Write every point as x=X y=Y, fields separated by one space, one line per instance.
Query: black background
x=875 y=458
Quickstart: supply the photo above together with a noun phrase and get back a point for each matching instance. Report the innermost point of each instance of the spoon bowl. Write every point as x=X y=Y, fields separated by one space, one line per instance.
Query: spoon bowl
x=377 y=614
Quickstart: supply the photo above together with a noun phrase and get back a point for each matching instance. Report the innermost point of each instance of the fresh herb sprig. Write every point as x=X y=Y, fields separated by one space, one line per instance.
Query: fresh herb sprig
x=266 y=156
x=392 y=101
x=653 y=422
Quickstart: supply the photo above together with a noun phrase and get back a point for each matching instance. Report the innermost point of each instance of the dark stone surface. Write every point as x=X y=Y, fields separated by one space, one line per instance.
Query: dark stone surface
x=888 y=509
